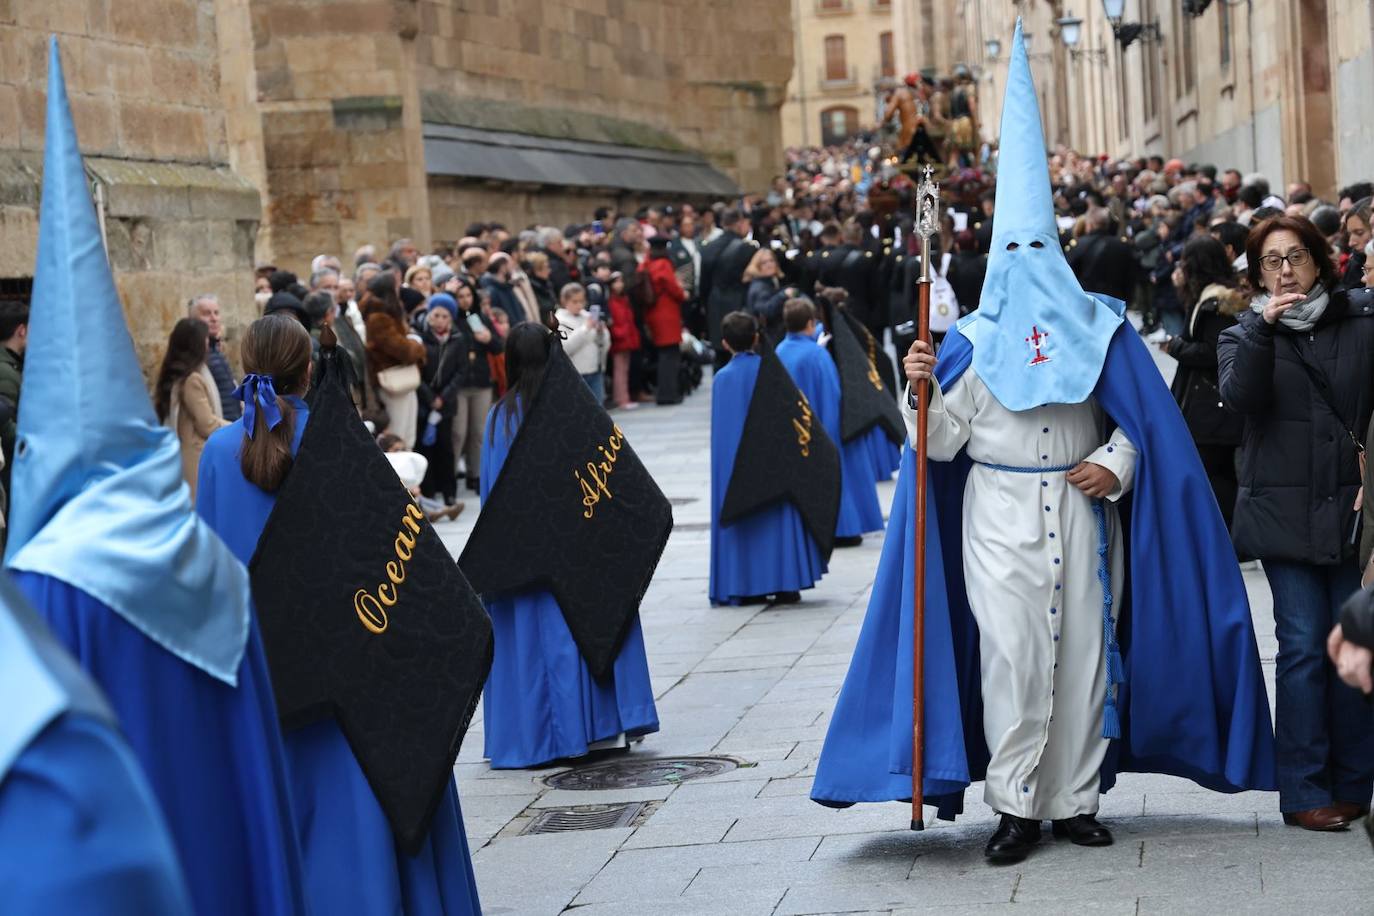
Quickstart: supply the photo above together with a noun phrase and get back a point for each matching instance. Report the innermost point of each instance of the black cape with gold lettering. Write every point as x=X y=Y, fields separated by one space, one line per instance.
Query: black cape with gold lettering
x=866 y=398
x=536 y=530
x=403 y=696
x=772 y=466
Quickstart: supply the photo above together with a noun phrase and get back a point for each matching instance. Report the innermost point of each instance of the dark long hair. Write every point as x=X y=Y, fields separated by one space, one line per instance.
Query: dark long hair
x=527 y=356
x=186 y=350
x=381 y=293
x=1204 y=263
x=276 y=346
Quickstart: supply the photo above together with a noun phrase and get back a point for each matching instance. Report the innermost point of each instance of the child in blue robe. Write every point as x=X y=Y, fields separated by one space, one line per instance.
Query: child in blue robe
x=812 y=368
x=541 y=702
x=769 y=552
x=351 y=860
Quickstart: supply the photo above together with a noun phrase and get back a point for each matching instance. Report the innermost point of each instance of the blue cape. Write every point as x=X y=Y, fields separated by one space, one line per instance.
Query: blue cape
x=541 y=702
x=349 y=858
x=770 y=550
x=814 y=371
x=1193 y=703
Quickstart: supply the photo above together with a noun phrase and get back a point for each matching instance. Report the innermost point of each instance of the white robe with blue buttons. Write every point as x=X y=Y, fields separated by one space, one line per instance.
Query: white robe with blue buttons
x=1030 y=547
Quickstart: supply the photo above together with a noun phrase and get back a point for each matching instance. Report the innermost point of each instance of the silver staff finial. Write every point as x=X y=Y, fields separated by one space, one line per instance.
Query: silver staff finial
x=928 y=205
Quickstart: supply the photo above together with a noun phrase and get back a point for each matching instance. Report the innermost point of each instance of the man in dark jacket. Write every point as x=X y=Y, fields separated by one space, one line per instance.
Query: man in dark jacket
x=14 y=337
x=206 y=308
x=722 y=275
x=1101 y=261
x=967 y=269
x=628 y=234
x=854 y=269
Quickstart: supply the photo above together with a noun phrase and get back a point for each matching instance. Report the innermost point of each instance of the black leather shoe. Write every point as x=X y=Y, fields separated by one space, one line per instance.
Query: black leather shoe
x=786 y=598
x=1013 y=840
x=1083 y=830
x=853 y=541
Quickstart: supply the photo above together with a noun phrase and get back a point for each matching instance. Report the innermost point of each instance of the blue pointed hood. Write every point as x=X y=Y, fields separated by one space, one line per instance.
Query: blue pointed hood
x=98 y=500
x=1038 y=337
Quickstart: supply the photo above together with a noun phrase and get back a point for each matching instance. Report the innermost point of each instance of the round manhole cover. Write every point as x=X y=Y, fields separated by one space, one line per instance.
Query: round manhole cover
x=625 y=774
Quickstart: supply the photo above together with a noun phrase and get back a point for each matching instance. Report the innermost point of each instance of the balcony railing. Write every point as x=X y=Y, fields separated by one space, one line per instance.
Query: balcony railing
x=831 y=82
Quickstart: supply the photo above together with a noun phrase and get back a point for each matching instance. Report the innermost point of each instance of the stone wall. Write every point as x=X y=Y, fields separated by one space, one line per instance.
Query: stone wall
x=143 y=79
x=709 y=72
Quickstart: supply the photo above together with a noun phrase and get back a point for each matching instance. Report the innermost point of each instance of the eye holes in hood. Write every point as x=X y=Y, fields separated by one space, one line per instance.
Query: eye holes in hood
x=1037 y=244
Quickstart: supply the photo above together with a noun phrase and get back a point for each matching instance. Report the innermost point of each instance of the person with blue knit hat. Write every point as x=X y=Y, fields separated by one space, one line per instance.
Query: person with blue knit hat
x=105 y=544
x=1058 y=461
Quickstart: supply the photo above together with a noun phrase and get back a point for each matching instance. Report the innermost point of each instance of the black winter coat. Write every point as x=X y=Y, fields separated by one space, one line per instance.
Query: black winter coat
x=1299 y=468
x=723 y=263
x=1195 y=383
x=1105 y=264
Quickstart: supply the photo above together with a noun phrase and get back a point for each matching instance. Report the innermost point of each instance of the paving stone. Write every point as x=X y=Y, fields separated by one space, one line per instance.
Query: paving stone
x=680 y=833
x=804 y=900
x=537 y=874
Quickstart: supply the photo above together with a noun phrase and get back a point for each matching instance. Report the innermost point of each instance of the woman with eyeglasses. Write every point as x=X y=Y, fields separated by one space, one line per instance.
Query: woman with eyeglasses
x=1299 y=366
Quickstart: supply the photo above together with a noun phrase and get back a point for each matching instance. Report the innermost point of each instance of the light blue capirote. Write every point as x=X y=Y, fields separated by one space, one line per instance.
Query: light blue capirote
x=98 y=499
x=1041 y=338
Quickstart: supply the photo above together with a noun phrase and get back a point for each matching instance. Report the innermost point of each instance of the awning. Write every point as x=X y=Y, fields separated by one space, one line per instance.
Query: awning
x=472 y=153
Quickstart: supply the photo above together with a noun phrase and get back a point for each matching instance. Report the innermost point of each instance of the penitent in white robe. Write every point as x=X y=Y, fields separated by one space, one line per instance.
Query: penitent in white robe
x=1030 y=546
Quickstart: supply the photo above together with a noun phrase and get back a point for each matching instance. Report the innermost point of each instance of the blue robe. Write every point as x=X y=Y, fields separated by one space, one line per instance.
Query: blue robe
x=80 y=829
x=884 y=455
x=541 y=702
x=814 y=372
x=351 y=862
x=770 y=550
x=1193 y=703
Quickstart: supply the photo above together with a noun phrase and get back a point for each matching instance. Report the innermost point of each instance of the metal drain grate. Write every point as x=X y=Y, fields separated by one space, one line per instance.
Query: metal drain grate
x=691 y=526
x=584 y=817
x=626 y=774
x=682 y=500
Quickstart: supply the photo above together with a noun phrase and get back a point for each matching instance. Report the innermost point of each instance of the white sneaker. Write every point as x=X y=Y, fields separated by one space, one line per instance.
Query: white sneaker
x=1158 y=335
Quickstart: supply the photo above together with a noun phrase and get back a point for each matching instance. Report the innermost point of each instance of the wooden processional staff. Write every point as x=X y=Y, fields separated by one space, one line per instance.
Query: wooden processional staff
x=927 y=225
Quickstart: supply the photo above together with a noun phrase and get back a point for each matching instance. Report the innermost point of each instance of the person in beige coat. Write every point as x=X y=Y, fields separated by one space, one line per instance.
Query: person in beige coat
x=186 y=396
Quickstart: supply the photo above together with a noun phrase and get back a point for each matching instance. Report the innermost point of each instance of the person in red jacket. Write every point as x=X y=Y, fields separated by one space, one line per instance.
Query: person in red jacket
x=664 y=318
x=625 y=342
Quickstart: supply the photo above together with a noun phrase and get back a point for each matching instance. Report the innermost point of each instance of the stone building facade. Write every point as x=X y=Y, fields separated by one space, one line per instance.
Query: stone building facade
x=1282 y=87
x=220 y=133
x=384 y=118
x=144 y=85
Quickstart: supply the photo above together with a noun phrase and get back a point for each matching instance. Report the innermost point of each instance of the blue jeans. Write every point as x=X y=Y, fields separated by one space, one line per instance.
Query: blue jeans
x=1324 y=729
x=597 y=383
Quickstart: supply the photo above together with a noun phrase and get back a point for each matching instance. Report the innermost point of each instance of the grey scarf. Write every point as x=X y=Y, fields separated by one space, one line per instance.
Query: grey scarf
x=1304 y=315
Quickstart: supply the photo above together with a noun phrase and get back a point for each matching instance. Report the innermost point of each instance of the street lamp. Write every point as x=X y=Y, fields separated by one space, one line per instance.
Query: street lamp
x=1026 y=39
x=994 y=48
x=1127 y=32
x=1070 y=31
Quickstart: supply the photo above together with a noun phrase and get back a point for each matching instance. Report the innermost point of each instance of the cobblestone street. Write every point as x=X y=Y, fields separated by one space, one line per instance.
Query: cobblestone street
x=757 y=686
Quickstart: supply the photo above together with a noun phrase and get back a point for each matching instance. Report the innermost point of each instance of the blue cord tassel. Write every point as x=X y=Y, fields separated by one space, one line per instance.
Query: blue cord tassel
x=1116 y=668
x=1111 y=720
